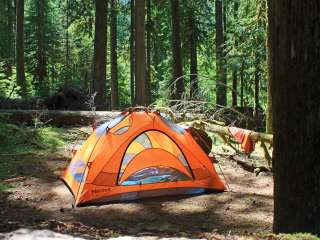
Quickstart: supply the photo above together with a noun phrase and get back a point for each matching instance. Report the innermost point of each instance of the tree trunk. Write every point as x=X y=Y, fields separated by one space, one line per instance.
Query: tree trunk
x=2 y=24
x=177 y=86
x=67 y=70
x=269 y=109
x=156 y=54
x=7 y=36
x=221 y=98
x=269 y=76
x=256 y=85
x=140 y=54
x=10 y=32
x=41 y=68
x=295 y=46
x=114 y=56
x=132 y=51
x=21 y=80
x=193 y=52
x=99 y=58
x=242 y=86
x=234 y=88
x=235 y=71
x=148 y=74
x=225 y=40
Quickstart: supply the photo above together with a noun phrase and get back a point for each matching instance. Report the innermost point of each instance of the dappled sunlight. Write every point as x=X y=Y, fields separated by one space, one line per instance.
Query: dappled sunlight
x=248 y=207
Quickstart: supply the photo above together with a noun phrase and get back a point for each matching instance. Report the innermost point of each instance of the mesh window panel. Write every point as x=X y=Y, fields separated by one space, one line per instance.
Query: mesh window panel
x=155 y=175
x=121 y=130
x=149 y=140
x=144 y=140
x=103 y=128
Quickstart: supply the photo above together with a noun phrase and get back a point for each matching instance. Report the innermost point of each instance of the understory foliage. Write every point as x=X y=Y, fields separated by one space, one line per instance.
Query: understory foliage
x=21 y=148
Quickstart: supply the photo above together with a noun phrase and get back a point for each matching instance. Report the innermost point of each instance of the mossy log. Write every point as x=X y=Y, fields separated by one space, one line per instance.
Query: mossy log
x=223 y=130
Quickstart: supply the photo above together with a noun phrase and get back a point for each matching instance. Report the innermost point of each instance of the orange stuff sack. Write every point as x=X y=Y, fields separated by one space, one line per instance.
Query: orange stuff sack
x=243 y=137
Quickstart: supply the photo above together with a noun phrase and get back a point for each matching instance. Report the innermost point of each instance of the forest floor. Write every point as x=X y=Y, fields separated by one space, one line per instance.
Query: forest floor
x=33 y=197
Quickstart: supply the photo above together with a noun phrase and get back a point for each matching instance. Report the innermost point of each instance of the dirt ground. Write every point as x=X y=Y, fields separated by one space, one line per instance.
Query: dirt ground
x=40 y=200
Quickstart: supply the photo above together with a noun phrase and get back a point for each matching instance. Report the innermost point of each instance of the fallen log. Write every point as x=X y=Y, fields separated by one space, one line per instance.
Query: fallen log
x=15 y=179
x=56 y=117
x=223 y=130
x=69 y=118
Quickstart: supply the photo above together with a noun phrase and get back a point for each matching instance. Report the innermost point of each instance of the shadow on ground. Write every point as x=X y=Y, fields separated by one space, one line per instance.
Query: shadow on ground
x=41 y=201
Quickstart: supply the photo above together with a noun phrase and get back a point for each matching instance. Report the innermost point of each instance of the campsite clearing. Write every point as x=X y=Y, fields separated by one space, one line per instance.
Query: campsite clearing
x=40 y=200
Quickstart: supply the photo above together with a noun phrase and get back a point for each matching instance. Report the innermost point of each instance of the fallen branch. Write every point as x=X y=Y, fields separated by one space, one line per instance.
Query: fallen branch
x=226 y=141
x=266 y=153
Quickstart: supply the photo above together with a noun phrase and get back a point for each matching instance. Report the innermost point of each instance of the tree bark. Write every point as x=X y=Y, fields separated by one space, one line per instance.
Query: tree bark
x=256 y=104
x=7 y=36
x=99 y=58
x=140 y=54
x=269 y=109
x=41 y=68
x=10 y=26
x=114 y=56
x=21 y=80
x=177 y=85
x=221 y=89
x=242 y=86
x=156 y=54
x=193 y=52
x=148 y=74
x=132 y=51
x=295 y=46
x=269 y=77
x=235 y=71
x=67 y=46
x=234 y=88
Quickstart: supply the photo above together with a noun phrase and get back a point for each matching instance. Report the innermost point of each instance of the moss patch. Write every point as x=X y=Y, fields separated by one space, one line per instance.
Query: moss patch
x=4 y=187
x=24 y=149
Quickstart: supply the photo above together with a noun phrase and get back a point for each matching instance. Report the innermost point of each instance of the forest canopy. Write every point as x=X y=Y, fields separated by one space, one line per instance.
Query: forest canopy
x=218 y=44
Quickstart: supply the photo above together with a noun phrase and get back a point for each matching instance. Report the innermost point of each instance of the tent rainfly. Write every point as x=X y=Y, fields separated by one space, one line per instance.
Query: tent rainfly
x=136 y=155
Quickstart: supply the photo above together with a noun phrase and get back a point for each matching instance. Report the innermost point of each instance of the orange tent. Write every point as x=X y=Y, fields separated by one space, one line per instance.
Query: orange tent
x=139 y=154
